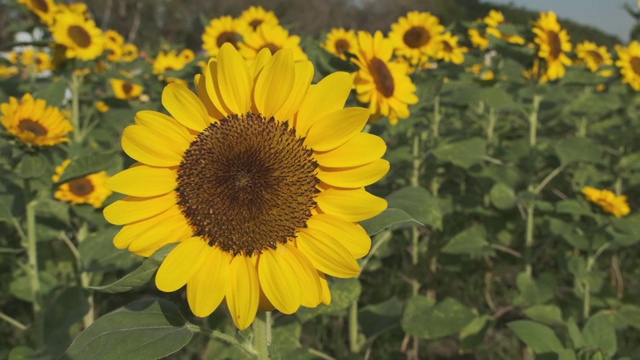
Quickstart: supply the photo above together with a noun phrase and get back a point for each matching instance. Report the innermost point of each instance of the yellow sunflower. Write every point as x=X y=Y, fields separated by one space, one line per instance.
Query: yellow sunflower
x=129 y=52
x=81 y=37
x=594 y=56
x=257 y=15
x=478 y=39
x=450 y=51
x=381 y=83
x=88 y=189
x=607 y=200
x=222 y=30
x=536 y=73
x=102 y=106
x=7 y=71
x=125 y=90
x=494 y=19
x=172 y=61
x=416 y=36
x=554 y=43
x=274 y=38
x=629 y=64
x=259 y=178
x=33 y=122
x=340 y=41
x=113 y=45
x=45 y=9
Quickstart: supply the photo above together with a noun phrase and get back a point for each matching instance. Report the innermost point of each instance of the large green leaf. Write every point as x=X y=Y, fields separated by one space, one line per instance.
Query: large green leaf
x=540 y=338
x=419 y=204
x=463 y=153
x=546 y=314
x=578 y=149
x=54 y=93
x=377 y=318
x=88 y=164
x=471 y=241
x=145 y=329
x=389 y=218
x=599 y=334
x=424 y=319
x=97 y=252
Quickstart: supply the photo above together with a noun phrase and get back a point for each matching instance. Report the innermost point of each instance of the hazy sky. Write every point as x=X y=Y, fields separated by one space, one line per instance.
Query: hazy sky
x=607 y=15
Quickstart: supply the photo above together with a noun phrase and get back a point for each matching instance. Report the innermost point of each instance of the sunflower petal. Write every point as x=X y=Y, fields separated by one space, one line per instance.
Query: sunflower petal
x=205 y=290
x=352 y=236
x=275 y=83
x=182 y=263
x=303 y=76
x=277 y=270
x=234 y=80
x=163 y=124
x=242 y=291
x=328 y=95
x=185 y=106
x=361 y=149
x=143 y=181
x=354 y=177
x=130 y=232
x=327 y=254
x=173 y=228
x=310 y=287
x=131 y=208
x=350 y=205
x=326 y=292
x=336 y=128
x=150 y=148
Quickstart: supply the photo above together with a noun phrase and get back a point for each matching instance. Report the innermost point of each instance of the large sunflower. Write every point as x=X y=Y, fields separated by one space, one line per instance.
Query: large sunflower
x=594 y=56
x=81 y=37
x=341 y=41
x=222 y=30
x=629 y=64
x=257 y=15
x=380 y=82
x=126 y=90
x=450 y=51
x=416 y=36
x=554 y=43
x=274 y=38
x=259 y=178
x=45 y=9
x=33 y=122
x=88 y=189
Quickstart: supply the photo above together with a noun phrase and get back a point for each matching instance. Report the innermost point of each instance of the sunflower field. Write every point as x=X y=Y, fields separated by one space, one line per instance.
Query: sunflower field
x=424 y=191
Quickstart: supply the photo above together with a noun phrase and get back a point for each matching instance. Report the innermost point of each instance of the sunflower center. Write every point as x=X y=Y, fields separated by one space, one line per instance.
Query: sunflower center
x=342 y=46
x=79 y=35
x=635 y=64
x=247 y=183
x=272 y=47
x=41 y=5
x=595 y=56
x=255 y=23
x=416 y=37
x=382 y=77
x=32 y=127
x=555 y=45
x=81 y=187
x=447 y=47
x=227 y=37
x=127 y=88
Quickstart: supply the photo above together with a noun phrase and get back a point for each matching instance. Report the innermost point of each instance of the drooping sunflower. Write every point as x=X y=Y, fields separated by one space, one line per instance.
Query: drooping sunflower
x=629 y=64
x=259 y=178
x=450 y=51
x=88 y=189
x=81 y=37
x=416 y=36
x=45 y=9
x=381 y=83
x=594 y=56
x=222 y=30
x=493 y=20
x=33 y=122
x=478 y=39
x=340 y=41
x=608 y=201
x=257 y=15
x=172 y=61
x=126 y=90
x=554 y=43
x=274 y=38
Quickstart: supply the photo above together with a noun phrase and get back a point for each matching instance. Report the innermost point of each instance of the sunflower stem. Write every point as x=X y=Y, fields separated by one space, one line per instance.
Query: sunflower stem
x=32 y=254
x=415 y=181
x=493 y=118
x=76 y=82
x=437 y=117
x=533 y=120
x=533 y=135
x=354 y=344
x=262 y=335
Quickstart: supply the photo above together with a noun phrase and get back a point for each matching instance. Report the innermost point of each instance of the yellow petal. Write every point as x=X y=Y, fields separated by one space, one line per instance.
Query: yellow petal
x=274 y=84
x=172 y=228
x=242 y=291
x=326 y=292
x=143 y=181
x=277 y=270
x=151 y=148
x=352 y=236
x=259 y=62
x=354 y=177
x=132 y=231
x=206 y=288
x=185 y=106
x=182 y=263
x=163 y=124
x=350 y=205
x=234 y=80
x=303 y=77
x=328 y=95
x=361 y=149
x=213 y=89
x=310 y=287
x=201 y=91
x=131 y=208
x=336 y=128
x=327 y=254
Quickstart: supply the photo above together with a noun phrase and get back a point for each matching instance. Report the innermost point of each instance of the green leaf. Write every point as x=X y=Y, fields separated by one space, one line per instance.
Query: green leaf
x=573 y=207
x=497 y=98
x=502 y=196
x=419 y=204
x=145 y=329
x=389 y=218
x=463 y=153
x=343 y=293
x=473 y=334
x=574 y=333
x=567 y=354
x=471 y=241
x=97 y=252
x=54 y=93
x=141 y=275
x=6 y=203
x=32 y=166
x=630 y=314
x=86 y=165
x=546 y=314
x=422 y=318
x=578 y=149
x=600 y=334
x=535 y=291
x=540 y=338
x=286 y=335
x=377 y=318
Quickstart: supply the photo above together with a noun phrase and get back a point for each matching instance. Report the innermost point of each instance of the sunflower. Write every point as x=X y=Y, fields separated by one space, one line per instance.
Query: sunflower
x=379 y=81
x=33 y=122
x=416 y=36
x=102 y=106
x=493 y=20
x=222 y=30
x=629 y=64
x=274 y=38
x=259 y=178
x=553 y=42
x=478 y=39
x=113 y=45
x=172 y=61
x=88 y=189
x=129 y=52
x=257 y=15
x=38 y=60
x=481 y=72
x=81 y=37
x=341 y=41
x=7 y=71
x=536 y=73
x=45 y=9
x=450 y=51
x=594 y=56
x=607 y=200
x=125 y=90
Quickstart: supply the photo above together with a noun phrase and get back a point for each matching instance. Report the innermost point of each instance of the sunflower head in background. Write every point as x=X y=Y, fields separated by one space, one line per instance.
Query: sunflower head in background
x=45 y=9
x=553 y=42
x=222 y=30
x=258 y=177
x=340 y=41
x=416 y=36
x=274 y=38
x=88 y=189
x=629 y=64
x=255 y=16
x=79 y=35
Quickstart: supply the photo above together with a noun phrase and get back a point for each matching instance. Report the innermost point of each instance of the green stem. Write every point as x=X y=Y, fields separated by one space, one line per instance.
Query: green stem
x=222 y=337
x=529 y=240
x=493 y=118
x=437 y=117
x=17 y=324
x=76 y=82
x=415 y=181
x=354 y=344
x=533 y=120
x=586 y=301
x=32 y=253
x=582 y=127
x=262 y=335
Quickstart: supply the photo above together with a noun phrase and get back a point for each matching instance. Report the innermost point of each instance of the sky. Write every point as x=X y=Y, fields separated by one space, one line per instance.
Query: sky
x=606 y=15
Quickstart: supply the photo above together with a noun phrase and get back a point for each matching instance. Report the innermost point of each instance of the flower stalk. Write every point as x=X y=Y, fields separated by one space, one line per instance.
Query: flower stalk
x=34 y=277
x=262 y=335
